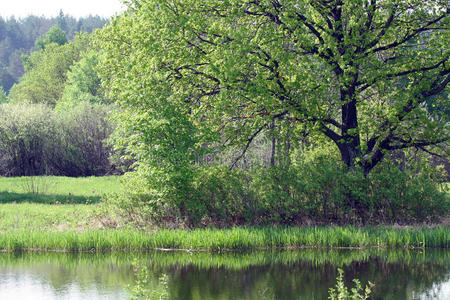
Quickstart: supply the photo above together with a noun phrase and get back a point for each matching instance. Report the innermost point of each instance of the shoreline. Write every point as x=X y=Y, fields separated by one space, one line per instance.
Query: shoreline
x=233 y=239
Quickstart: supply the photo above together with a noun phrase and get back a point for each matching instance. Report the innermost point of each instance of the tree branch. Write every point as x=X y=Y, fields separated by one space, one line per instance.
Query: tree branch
x=400 y=74
x=407 y=37
x=249 y=141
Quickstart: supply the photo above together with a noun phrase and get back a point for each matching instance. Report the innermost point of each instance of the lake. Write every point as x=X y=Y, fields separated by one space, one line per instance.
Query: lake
x=289 y=274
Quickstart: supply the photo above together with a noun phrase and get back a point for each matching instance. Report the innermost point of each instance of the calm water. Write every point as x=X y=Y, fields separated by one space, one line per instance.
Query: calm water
x=300 y=274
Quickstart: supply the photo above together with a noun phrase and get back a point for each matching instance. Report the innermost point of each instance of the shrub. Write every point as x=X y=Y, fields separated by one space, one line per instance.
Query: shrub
x=406 y=196
x=35 y=140
x=81 y=149
x=25 y=134
x=318 y=192
x=312 y=187
x=341 y=292
x=224 y=197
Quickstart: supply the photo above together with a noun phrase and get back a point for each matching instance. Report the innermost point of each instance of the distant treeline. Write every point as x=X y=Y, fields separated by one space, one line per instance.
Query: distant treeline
x=53 y=118
x=18 y=37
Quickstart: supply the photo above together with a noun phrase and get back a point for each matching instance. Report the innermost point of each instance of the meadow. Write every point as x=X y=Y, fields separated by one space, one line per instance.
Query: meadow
x=57 y=189
x=51 y=224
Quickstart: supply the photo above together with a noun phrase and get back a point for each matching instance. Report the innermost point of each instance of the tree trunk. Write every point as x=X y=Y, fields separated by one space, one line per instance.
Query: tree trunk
x=350 y=147
x=274 y=141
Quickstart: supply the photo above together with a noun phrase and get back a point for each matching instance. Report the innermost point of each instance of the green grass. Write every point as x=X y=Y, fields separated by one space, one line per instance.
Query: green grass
x=54 y=189
x=44 y=217
x=226 y=239
x=58 y=185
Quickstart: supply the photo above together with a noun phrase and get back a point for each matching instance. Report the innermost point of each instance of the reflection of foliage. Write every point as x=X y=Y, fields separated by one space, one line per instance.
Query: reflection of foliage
x=306 y=273
x=406 y=259
x=141 y=290
x=341 y=291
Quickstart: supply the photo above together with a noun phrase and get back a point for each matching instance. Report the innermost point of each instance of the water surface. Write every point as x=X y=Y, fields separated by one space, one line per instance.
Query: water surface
x=299 y=274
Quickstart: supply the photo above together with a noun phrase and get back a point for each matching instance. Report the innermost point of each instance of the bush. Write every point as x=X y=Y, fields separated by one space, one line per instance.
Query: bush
x=35 y=140
x=406 y=196
x=81 y=149
x=319 y=191
x=224 y=197
x=25 y=134
x=341 y=292
x=311 y=186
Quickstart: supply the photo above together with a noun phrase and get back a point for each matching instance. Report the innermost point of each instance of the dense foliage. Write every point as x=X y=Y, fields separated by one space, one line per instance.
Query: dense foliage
x=200 y=81
x=319 y=191
x=46 y=71
x=36 y=138
x=83 y=83
x=3 y=96
x=54 y=35
x=357 y=71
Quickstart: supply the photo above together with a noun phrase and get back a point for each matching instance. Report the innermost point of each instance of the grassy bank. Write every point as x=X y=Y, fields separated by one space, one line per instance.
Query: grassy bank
x=84 y=227
x=44 y=217
x=226 y=239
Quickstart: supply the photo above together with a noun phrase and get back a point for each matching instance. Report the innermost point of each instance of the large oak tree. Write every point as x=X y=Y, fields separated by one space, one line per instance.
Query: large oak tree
x=358 y=71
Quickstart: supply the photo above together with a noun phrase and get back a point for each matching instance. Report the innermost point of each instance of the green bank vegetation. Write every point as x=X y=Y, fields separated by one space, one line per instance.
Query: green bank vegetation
x=90 y=226
x=224 y=239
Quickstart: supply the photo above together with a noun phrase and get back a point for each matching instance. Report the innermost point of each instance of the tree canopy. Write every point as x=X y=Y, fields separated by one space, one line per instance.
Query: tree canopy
x=46 y=71
x=359 y=72
x=83 y=83
x=54 y=35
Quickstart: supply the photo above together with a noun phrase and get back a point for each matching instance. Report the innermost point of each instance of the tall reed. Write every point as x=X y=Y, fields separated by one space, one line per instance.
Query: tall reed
x=228 y=239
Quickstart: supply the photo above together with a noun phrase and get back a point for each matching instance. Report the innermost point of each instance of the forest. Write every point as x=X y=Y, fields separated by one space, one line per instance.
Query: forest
x=18 y=37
